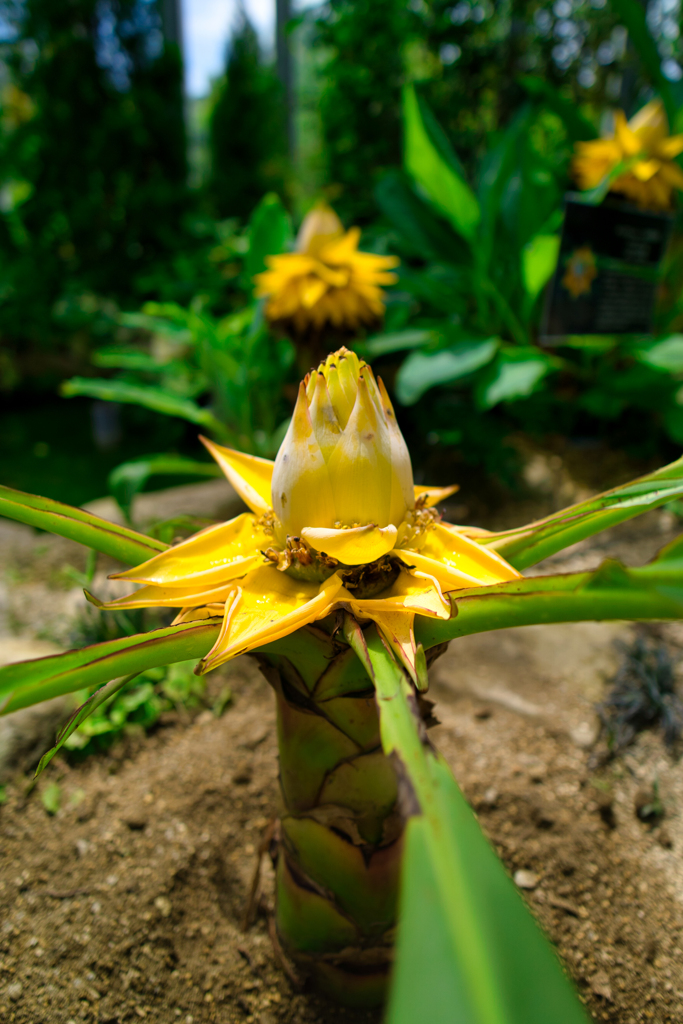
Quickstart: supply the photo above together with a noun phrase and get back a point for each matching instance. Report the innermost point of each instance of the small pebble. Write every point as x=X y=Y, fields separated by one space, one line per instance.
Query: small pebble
x=526 y=879
x=14 y=990
x=163 y=905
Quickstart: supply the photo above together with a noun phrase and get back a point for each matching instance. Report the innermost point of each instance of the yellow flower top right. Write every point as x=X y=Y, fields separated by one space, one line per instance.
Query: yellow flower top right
x=644 y=145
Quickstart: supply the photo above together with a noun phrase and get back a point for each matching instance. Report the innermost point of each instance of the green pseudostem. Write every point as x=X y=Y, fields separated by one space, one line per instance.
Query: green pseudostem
x=340 y=836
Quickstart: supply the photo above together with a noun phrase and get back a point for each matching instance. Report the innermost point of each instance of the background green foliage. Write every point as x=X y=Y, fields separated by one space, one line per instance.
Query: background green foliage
x=94 y=169
x=248 y=147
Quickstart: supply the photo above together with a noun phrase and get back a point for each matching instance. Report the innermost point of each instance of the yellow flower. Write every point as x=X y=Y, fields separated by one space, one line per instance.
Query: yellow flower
x=644 y=146
x=580 y=272
x=327 y=281
x=335 y=523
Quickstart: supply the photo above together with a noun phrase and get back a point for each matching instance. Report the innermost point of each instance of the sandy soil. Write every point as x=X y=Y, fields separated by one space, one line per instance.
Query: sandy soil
x=127 y=904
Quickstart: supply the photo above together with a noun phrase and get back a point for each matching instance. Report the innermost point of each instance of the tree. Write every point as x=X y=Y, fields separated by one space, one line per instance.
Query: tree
x=247 y=134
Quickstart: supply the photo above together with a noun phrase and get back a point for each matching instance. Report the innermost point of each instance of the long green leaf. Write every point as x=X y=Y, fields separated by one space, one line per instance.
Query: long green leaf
x=527 y=545
x=152 y=398
x=611 y=592
x=468 y=950
x=76 y=524
x=29 y=682
x=439 y=178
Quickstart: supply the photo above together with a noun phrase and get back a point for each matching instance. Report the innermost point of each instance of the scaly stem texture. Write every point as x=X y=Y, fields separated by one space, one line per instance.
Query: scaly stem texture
x=341 y=833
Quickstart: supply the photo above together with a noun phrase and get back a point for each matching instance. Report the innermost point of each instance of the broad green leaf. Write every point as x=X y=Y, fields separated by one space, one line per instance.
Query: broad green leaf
x=527 y=545
x=468 y=950
x=76 y=524
x=128 y=479
x=510 y=378
x=381 y=344
x=539 y=259
x=578 y=127
x=440 y=181
x=149 y=397
x=29 y=682
x=423 y=370
x=270 y=231
x=666 y=354
x=650 y=592
x=94 y=701
x=421 y=230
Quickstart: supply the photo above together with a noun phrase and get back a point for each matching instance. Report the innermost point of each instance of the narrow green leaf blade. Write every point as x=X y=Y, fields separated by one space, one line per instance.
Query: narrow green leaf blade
x=94 y=701
x=468 y=950
x=152 y=398
x=449 y=192
x=76 y=524
x=611 y=592
x=527 y=545
x=29 y=682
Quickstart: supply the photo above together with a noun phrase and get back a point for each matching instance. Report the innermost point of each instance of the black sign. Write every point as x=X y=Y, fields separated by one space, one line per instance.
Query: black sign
x=607 y=270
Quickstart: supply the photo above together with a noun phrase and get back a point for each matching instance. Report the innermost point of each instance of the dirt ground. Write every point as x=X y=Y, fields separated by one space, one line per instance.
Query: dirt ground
x=127 y=904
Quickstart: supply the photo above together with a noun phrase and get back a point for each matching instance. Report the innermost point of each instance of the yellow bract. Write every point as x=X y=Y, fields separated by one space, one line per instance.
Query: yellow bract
x=645 y=147
x=327 y=281
x=343 y=463
x=336 y=523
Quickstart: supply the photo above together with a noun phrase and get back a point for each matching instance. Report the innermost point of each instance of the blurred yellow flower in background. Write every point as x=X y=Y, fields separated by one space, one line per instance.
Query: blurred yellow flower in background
x=646 y=149
x=326 y=282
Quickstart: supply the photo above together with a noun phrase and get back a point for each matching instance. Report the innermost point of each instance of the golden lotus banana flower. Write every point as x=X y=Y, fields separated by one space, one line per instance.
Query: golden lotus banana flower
x=335 y=523
x=645 y=148
x=326 y=282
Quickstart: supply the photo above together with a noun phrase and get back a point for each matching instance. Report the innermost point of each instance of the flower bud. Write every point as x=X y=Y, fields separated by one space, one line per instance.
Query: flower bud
x=343 y=473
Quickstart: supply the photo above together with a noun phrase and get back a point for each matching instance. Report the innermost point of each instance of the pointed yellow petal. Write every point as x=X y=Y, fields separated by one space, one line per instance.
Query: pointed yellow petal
x=168 y=597
x=360 y=467
x=645 y=169
x=671 y=147
x=402 y=491
x=433 y=495
x=209 y=611
x=215 y=555
x=269 y=605
x=416 y=592
x=323 y=417
x=456 y=561
x=352 y=547
x=627 y=139
x=302 y=494
x=397 y=629
x=249 y=475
